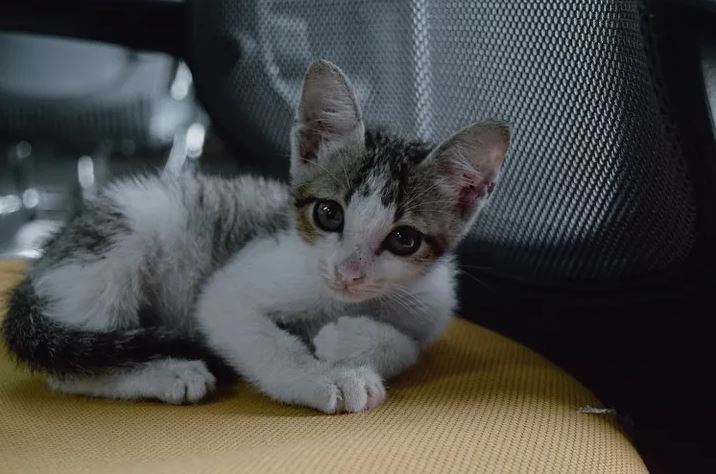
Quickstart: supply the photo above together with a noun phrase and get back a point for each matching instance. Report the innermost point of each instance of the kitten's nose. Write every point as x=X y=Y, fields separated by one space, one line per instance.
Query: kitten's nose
x=350 y=272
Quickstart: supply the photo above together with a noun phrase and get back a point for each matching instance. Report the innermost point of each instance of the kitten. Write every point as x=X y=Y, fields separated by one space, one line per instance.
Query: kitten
x=315 y=293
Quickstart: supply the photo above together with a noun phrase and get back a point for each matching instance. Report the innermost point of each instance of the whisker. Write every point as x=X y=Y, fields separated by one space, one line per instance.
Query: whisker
x=446 y=203
x=409 y=299
x=423 y=192
x=345 y=172
x=401 y=305
x=480 y=282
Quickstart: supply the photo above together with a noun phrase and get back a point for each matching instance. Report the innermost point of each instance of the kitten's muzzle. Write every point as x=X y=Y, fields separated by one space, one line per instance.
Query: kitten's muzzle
x=349 y=273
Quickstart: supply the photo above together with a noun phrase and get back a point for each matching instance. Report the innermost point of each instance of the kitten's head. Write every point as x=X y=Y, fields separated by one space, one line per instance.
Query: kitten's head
x=381 y=210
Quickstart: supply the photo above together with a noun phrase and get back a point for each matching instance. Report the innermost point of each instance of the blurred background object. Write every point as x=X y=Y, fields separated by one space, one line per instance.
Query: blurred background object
x=74 y=113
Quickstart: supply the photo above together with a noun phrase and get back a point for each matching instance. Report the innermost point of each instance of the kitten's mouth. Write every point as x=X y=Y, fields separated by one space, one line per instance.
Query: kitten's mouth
x=350 y=294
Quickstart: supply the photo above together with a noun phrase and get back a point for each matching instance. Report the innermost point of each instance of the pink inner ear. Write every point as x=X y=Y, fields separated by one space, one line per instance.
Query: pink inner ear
x=316 y=130
x=473 y=187
x=310 y=140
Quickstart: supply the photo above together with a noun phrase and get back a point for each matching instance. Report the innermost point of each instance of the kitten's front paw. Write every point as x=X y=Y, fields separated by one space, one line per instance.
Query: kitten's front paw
x=182 y=381
x=361 y=388
x=351 y=390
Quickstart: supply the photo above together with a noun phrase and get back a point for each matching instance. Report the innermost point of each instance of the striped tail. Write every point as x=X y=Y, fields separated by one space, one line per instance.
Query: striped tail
x=50 y=346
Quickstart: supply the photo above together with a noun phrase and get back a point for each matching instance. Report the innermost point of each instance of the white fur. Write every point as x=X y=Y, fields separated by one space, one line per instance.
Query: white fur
x=96 y=295
x=157 y=218
x=169 y=380
x=362 y=340
x=426 y=306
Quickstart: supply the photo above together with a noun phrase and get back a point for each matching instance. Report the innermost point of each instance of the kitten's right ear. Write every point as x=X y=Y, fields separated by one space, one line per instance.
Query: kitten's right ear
x=328 y=115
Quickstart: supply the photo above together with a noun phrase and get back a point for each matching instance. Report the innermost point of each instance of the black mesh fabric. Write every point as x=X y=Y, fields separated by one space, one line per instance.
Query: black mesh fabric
x=596 y=188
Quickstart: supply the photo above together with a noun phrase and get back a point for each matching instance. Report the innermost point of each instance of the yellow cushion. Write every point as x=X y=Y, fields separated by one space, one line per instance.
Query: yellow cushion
x=476 y=402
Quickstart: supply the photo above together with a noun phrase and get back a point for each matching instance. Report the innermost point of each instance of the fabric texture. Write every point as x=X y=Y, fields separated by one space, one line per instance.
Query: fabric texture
x=476 y=402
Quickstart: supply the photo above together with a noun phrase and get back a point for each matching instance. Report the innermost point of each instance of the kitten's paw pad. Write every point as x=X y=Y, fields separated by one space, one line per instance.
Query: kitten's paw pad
x=184 y=382
x=360 y=389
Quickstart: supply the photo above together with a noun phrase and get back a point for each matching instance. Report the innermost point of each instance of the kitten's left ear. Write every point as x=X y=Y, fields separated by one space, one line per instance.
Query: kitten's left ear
x=469 y=164
x=328 y=115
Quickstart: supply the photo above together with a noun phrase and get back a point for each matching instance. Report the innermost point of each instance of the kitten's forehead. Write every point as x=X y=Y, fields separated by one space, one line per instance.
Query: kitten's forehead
x=388 y=168
x=374 y=178
x=368 y=220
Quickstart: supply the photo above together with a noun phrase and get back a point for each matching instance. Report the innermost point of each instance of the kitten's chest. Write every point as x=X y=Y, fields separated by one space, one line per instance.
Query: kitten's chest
x=278 y=276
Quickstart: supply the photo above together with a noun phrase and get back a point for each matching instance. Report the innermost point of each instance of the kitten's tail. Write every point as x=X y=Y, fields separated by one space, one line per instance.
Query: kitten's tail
x=53 y=347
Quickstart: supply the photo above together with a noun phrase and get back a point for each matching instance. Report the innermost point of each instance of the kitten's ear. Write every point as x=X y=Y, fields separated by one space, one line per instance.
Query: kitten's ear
x=469 y=162
x=328 y=115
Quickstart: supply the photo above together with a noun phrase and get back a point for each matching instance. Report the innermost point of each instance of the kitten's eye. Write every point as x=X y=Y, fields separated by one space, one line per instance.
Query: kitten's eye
x=328 y=215
x=403 y=241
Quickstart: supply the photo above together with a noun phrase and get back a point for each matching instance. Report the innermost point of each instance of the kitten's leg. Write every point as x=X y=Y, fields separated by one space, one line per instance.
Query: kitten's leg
x=365 y=341
x=169 y=380
x=278 y=363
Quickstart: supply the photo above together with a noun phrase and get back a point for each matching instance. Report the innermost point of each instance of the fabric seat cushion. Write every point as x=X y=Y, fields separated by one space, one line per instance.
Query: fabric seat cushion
x=476 y=402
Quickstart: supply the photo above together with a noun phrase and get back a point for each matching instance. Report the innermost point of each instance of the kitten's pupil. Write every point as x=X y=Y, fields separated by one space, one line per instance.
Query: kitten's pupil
x=328 y=216
x=403 y=241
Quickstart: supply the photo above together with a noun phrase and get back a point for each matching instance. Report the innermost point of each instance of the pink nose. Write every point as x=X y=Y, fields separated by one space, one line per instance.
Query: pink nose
x=350 y=272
